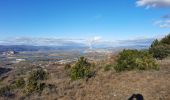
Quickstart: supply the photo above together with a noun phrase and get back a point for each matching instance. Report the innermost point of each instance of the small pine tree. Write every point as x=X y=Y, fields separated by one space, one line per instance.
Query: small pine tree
x=166 y=40
x=81 y=69
x=39 y=74
x=160 y=49
x=155 y=43
x=33 y=82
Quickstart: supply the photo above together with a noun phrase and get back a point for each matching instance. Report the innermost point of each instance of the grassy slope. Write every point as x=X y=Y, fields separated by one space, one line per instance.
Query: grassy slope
x=153 y=85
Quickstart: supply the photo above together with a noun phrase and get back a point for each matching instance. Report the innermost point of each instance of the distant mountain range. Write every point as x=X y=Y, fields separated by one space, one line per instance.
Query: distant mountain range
x=19 y=48
x=47 y=45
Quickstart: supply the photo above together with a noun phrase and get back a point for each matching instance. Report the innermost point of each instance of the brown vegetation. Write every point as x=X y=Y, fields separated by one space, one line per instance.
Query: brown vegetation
x=105 y=85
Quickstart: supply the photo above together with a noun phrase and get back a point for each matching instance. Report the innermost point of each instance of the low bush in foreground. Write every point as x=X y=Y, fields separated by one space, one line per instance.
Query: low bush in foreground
x=20 y=83
x=34 y=86
x=160 y=51
x=34 y=81
x=81 y=69
x=134 y=59
x=38 y=74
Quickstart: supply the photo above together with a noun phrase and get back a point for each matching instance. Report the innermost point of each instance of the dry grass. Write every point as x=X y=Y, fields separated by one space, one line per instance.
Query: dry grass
x=153 y=85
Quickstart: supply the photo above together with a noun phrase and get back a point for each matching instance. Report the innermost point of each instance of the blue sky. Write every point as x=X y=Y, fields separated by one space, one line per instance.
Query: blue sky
x=82 y=19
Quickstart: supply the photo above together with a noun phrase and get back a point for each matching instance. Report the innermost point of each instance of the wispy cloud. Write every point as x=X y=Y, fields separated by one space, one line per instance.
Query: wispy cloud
x=93 y=40
x=136 y=41
x=153 y=3
x=162 y=23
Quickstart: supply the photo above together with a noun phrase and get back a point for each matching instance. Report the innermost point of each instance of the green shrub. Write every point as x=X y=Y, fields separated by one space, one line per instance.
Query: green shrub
x=160 y=49
x=34 y=86
x=81 y=69
x=33 y=82
x=165 y=40
x=7 y=90
x=40 y=87
x=31 y=86
x=155 y=43
x=20 y=83
x=134 y=59
x=38 y=74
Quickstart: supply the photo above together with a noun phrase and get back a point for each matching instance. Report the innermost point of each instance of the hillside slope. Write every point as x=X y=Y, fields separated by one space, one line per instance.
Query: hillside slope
x=152 y=85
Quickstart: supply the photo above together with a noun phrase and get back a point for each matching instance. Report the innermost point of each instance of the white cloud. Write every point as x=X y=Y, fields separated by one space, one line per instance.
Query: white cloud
x=164 y=26
x=162 y=23
x=97 y=38
x=153 y=3
x=157 y=22
x=93 y=40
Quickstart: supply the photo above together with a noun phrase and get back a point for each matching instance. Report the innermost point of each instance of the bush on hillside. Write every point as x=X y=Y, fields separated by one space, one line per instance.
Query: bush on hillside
x=34 y=86
x=20 y=83
x=165 y=40
x=38 y=74
x=81 y=69
x=160 y=49
x=134 y=59
x=33 y=82
x=155 y=43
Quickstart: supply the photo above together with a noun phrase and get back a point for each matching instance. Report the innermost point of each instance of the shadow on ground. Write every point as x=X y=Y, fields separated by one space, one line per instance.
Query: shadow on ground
x=136 y=97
